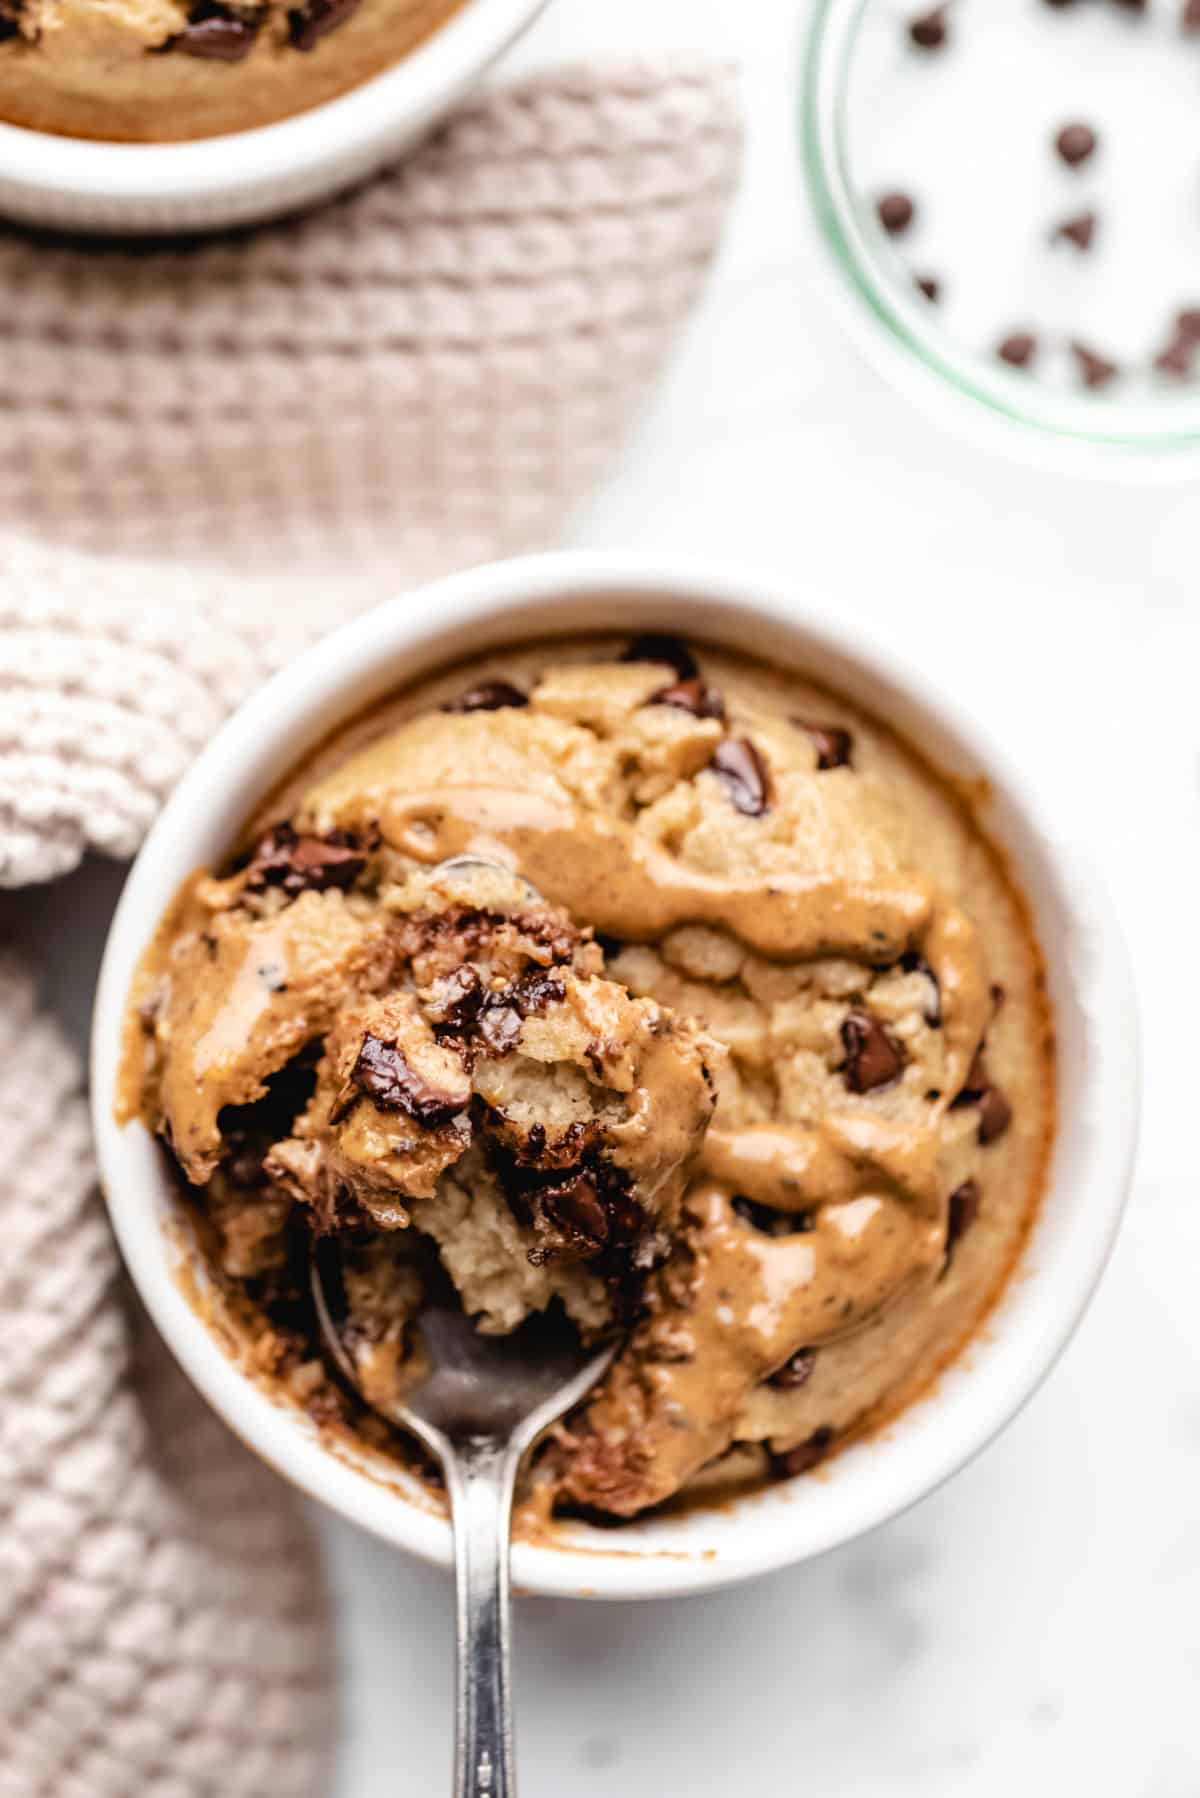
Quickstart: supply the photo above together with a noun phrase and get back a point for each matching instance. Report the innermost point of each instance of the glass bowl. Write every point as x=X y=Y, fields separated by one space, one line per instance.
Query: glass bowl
x=864 y=83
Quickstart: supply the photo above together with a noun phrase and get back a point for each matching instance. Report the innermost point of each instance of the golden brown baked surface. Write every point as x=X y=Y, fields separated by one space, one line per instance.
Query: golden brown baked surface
x=152 y=71
x=796 y=1016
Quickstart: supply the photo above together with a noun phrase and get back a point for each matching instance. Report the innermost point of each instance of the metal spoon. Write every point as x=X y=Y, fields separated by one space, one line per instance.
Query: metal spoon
x=483 y=1404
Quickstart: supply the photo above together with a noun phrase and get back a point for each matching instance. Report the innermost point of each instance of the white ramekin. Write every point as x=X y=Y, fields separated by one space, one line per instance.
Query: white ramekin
x=74 y=184
x=1090 y=987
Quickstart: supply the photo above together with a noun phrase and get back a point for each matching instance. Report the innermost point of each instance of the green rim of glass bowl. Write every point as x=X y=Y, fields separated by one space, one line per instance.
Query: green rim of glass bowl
x=1108 y=426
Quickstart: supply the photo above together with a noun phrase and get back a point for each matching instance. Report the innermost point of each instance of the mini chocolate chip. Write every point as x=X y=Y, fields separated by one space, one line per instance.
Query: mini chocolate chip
x=304 y=864
x=805 y=1455
x=1018 y=349
x=794 y=1373
x=998 y=995
x=1094 y=370
x=1176 y=359
x=1079 y=230
x=976 y=1082
x=383 y=1072
x=896 y=212
x=769 y=1221
x=695 y=696
x=456 y=999
x=995 y=1115
x=10 y=13
x=928 y=30
x=962 y=1211
x=499 y=1024
x=309 y=23
x=912 y=963
x=930 y=286
x=743 y=773
x=536 y=990
x=1187 y=322
x=873 y=1057
x=217 y=33
x=1075 y=143
x=658 y=646
x=488 y=696
x=608 y=945
x=833 y=744
x=1190 y=18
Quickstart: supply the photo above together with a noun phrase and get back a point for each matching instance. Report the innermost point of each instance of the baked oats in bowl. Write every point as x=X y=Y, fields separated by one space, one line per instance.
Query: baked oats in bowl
x=633 y=943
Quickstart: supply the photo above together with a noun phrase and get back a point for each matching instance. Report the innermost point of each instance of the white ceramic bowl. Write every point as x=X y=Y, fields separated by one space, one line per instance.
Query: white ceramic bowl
x=1089 y=984
x=74 y=184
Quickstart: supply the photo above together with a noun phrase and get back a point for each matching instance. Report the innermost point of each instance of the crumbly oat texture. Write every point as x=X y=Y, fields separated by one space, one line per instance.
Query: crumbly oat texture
x=772 y=872
x=153 y=70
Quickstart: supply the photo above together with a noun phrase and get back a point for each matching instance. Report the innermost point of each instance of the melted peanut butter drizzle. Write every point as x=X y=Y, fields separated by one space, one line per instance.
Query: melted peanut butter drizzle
x=795 y=1167
x=603 y=871
x=752 y=1300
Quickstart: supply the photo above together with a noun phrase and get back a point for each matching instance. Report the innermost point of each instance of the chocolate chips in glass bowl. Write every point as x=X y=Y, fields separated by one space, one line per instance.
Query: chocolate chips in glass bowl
x=1061 y=235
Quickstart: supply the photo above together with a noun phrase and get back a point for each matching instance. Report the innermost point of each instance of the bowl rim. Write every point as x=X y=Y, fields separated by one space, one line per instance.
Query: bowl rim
x=572 y=592
x=237 y=166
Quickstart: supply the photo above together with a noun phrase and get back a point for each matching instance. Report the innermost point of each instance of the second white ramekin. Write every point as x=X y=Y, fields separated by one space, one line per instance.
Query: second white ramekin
x=74 y=184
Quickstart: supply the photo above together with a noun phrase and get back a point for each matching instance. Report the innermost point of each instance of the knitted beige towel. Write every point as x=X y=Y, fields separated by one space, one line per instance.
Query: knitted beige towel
x=211 y=453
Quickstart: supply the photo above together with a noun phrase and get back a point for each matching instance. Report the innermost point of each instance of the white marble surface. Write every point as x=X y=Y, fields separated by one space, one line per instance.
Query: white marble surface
x=1035 y=1626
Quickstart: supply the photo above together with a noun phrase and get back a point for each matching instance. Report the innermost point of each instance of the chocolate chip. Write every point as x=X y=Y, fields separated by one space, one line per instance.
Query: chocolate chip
x=1187 y=322
x=928 y=30
x=770 y=1222
x=930 y=286
x=1079 y=230
x=995 y=1116
x=1094 y=370
x=609 y=945
x=976 y=1082
x=575 y=1205
x=1176 y=359
x=1190 y=17
x=383 y=1072
x=304 y=864
x=217 y=33
x=657 y=646
x=743 y=773
x=962 y=1211
x=695 y=696
x=488 y=696
x=1018 y=349
x=1075 y=143
x=805 y=1455
x=10 y=14
x=896 y=212
x=309 y=23
x=502 y=1014
x=834 y=746
x=912 y=963
x=455 y=1001
x=995 y=1112
x=998 y=996
x=794 y=1373
x=873 y=1057
x=499 y=1024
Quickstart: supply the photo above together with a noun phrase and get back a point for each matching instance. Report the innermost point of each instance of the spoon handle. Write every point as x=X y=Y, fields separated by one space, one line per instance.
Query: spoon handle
x=480 y=1479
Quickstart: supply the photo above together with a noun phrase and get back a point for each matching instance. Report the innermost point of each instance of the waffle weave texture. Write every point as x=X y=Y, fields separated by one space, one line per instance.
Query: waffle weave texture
x=211 y=453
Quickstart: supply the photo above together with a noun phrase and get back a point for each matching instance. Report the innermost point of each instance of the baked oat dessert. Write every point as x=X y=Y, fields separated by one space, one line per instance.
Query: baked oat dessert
x=142 y=71
x=760 y=1073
